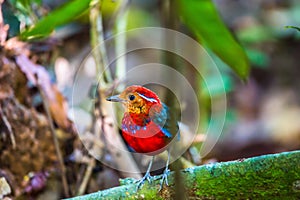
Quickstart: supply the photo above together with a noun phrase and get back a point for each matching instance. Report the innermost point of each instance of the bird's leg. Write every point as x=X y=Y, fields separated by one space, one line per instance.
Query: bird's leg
x=165 y=174
x=147 y=175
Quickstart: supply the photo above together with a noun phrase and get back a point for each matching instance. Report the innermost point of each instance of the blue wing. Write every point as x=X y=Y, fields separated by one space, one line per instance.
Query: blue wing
x=167 y=122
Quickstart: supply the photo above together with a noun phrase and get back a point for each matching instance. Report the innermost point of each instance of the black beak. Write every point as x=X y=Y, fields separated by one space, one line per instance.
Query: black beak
x=115 y=98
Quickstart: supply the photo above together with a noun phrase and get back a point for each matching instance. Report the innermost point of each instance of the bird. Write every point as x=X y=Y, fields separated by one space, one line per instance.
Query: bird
x=148 y=126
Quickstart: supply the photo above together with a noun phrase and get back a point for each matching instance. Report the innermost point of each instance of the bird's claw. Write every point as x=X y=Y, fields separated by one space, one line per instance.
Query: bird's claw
x=142 y=181
x=164 y=178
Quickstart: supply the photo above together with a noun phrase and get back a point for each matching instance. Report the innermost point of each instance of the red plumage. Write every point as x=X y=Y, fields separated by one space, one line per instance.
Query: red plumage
x=148 y=139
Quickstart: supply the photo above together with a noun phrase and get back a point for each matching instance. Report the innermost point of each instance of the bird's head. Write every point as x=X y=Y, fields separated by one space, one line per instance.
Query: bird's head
x=137 y=99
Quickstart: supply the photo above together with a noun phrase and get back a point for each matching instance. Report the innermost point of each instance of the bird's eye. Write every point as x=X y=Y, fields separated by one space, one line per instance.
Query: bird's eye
x=131 y=97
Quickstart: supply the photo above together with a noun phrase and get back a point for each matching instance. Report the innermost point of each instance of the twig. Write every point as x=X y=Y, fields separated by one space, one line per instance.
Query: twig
x=97 y=132
x=100 y=57
x=97 y=42
x=8 y=126
x=55 y=140
x=86 y=177
x=120 y=47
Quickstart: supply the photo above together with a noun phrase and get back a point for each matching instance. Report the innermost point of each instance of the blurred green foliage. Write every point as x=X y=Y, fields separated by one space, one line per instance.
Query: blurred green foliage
x=258 y=58
x=26 y=8
x=211 y=89
x=202 y=18
x=255 y=34
x=10 y=19
x=138 y=18
x=60 y=16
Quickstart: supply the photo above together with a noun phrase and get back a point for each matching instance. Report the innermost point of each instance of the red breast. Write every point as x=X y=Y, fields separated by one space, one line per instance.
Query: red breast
x=147 y=139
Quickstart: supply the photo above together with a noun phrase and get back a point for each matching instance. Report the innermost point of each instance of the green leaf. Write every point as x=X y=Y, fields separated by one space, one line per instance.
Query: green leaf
x=203 y=19
x=294 y=27
x=62 y=15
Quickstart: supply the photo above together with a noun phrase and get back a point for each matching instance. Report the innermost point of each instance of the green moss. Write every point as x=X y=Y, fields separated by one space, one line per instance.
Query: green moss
x=265 y=176
x=274 y=176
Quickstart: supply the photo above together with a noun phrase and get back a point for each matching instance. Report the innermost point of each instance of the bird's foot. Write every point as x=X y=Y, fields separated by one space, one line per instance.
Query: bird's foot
x=164 y=179
x=142 y=181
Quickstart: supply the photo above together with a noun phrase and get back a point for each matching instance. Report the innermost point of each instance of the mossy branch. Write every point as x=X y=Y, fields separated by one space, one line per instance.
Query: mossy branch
x=265 y=177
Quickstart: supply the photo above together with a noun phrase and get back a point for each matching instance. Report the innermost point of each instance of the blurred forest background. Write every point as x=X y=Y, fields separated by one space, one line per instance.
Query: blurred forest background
x=43 y=43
